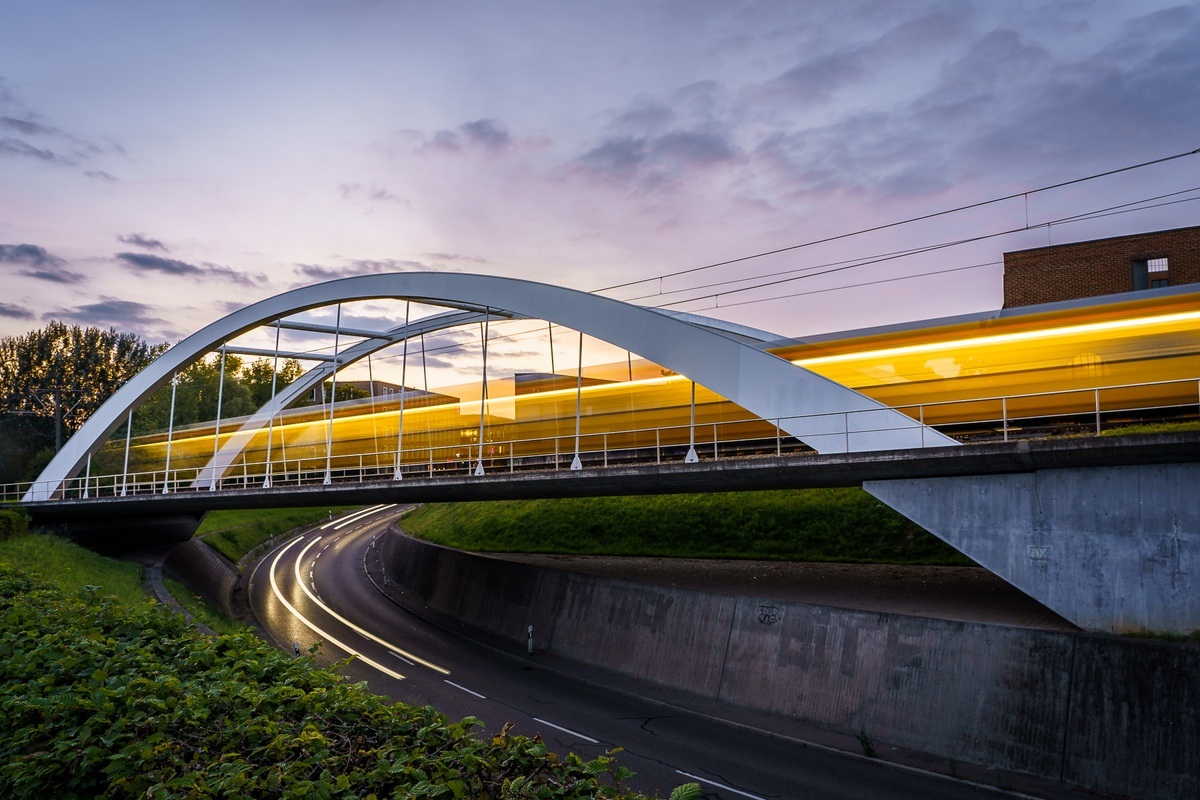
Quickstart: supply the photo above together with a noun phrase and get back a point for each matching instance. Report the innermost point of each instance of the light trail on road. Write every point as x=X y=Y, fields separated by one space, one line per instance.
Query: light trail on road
x=663 y=746
x=307 y=622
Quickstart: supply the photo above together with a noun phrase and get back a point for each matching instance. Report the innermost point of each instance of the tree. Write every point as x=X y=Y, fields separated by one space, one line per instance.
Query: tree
x=64 y=373
x=257 y=378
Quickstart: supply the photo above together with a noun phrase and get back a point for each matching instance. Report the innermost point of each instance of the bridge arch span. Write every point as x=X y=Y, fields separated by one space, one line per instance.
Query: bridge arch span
x=823 y=414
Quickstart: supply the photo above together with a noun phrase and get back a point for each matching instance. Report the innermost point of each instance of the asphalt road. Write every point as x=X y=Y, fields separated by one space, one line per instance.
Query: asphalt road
x=314 y=589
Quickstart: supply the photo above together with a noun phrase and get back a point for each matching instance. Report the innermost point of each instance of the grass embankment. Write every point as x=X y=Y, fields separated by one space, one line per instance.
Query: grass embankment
x=104 y=698
x=846 y=525
x=1153 y=427
x=235 y=533
x=69 y=567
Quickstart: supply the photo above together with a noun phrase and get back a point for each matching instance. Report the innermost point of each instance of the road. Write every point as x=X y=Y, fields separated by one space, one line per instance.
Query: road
x=314 y=588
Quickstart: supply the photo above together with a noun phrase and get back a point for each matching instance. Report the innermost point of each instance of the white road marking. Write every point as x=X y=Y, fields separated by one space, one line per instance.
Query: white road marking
x=402 y=658
x=720 y=786
x=465 y=689
x=339 y=524
x=351 y=517
x=314 y=628
x=567 y=730
x=357 y=628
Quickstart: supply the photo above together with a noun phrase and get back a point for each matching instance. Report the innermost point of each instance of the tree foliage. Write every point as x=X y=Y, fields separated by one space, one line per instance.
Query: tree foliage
x=240 y=388
x=54 y=378
x=99 y=700
x=65 y=372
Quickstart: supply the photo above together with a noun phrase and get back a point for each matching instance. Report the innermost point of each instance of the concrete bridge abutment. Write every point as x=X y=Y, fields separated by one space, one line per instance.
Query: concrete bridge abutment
x=1112 y=549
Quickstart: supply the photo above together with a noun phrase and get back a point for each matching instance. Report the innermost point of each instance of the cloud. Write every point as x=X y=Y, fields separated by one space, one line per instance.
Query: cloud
x=373 y=193
x=14 y=311
x=487 y=134
x=17 y=147
x=320 y=272
x=816 y=80
x=231 y=275
x=455 y=257
x=144 y=262
x=28 y=127
x=54 y=275
x=658 y=157
x=33 y=139
x=108 y=312
x=144 y=242
x=29 y=254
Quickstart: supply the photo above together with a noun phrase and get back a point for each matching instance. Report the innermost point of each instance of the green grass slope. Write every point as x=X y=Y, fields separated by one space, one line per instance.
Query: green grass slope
x=235 y=533
x=846 y=525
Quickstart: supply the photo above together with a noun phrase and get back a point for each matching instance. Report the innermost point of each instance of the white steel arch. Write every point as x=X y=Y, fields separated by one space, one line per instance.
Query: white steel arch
x=835 y=418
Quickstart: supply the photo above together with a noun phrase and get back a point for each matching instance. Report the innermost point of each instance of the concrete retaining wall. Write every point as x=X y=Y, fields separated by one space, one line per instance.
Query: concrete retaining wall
x=204 y=571
x=1113 y=714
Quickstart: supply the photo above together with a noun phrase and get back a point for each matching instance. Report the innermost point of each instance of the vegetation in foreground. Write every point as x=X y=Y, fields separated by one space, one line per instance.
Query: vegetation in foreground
x=846 y=525
x=68 y=567
x=100 y=697
x=235 y=533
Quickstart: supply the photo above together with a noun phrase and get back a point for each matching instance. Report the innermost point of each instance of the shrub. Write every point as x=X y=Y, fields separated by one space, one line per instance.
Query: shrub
x=13 y=522
x=103 y=700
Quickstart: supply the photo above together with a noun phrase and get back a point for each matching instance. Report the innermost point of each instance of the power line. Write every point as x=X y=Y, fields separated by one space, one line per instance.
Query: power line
x=1096 y=214
x=921 y=218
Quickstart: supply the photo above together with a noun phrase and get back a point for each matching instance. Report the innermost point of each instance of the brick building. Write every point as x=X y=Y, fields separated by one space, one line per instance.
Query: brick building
x=1103 y=266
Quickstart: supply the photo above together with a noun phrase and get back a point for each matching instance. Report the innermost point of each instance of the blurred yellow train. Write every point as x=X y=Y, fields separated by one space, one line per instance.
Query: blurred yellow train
x=1076 y=365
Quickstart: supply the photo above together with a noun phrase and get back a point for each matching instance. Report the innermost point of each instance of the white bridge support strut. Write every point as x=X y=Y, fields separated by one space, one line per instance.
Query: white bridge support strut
x=828 y=417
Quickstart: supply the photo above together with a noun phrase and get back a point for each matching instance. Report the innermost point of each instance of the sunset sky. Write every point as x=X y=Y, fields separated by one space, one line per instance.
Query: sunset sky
x=163 y=163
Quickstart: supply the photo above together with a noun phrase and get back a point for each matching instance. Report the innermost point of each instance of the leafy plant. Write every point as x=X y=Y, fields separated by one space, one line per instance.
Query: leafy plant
x=865 y=742
x=687 y=791
x=100 y=699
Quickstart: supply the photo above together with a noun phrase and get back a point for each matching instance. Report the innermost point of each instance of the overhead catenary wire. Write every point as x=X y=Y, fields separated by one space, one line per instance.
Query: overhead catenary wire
x=840 y=267
x=910 y=220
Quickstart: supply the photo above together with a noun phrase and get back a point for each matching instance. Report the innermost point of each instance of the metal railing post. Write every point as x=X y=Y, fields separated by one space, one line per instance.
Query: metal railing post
x=1004 y=416
x=1097 y=412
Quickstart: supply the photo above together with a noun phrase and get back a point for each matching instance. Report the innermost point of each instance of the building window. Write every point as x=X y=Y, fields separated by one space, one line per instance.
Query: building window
x=1151 y=273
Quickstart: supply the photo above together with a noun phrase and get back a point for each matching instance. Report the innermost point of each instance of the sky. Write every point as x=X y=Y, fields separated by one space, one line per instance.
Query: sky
x=162 y=164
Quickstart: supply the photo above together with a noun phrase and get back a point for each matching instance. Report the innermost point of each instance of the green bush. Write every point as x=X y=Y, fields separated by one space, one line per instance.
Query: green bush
x=13 y=522
x=103 y=700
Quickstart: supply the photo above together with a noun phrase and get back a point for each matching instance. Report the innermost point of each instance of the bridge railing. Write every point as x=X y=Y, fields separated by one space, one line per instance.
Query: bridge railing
x=1064 y=412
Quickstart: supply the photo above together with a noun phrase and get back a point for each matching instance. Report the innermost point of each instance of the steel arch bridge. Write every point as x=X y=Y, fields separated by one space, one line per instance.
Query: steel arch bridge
x=822 y=414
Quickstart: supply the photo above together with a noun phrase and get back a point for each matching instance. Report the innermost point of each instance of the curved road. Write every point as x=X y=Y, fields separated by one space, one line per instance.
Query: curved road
x=314 y=589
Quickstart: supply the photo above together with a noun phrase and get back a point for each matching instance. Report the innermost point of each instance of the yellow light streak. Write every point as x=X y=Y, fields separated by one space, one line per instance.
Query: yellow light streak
x=1004 y=338
x=356 y=628
x=312 y=626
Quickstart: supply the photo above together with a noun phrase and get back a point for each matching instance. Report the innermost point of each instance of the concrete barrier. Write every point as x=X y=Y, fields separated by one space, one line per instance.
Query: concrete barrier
x=204 y=571
x=1108 y=713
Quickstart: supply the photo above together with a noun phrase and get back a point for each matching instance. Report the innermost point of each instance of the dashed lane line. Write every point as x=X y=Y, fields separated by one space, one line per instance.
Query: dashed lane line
x=567 y=730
